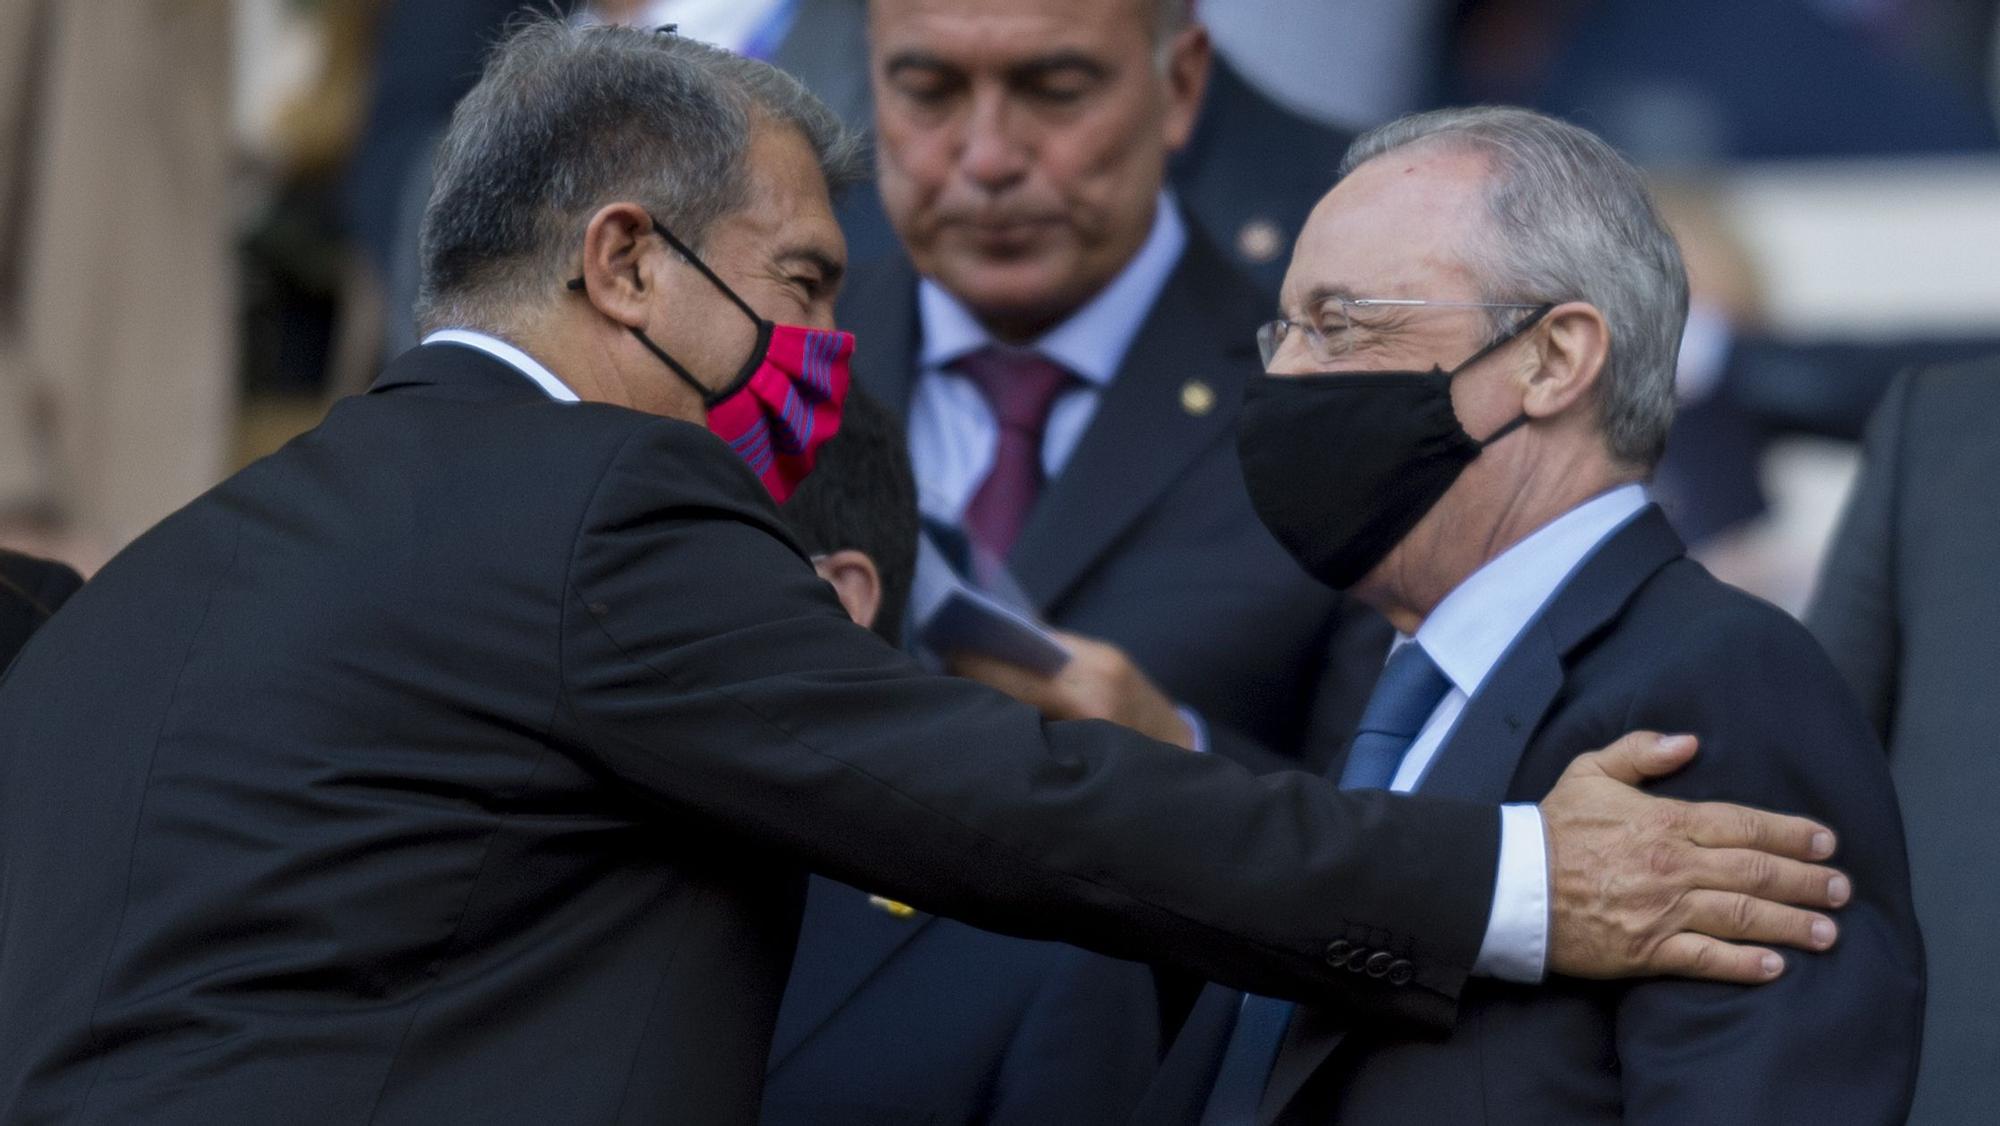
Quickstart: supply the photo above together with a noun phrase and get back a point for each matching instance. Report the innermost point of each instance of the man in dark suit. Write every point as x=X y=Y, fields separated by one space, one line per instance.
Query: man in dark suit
x=1906 y=608
x=1494 y=511
x=461 y=761
x=1056 y=1024
x=30 y=590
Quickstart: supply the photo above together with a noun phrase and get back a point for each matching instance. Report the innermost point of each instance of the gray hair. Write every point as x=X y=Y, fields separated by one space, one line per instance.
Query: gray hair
x=1571 y=220
x=566 y=120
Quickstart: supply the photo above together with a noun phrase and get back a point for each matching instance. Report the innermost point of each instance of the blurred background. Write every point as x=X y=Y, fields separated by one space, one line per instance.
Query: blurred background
x=208 y=213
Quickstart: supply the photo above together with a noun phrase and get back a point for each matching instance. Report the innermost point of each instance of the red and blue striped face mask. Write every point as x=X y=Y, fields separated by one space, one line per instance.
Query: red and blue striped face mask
x=784 y=403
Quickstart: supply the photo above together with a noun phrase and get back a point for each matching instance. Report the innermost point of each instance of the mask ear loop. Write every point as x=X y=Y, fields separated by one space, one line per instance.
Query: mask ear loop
x=709 y=397
x=1499 y=342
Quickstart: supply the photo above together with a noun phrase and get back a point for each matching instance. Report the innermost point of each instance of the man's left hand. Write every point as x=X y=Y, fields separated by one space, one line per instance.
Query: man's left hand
x=1099 y=682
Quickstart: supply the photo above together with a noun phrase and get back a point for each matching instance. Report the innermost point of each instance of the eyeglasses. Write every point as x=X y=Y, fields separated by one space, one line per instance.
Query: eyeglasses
x=1345 y=320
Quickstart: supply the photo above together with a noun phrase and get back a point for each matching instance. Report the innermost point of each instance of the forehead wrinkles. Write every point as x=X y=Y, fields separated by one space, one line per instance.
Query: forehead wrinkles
x=993 y=33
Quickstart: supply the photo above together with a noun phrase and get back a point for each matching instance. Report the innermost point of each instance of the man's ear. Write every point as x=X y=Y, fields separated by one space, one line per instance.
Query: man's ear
x=1576 y=341
x=856 y=582
x=1189 y=58
x=617 y=277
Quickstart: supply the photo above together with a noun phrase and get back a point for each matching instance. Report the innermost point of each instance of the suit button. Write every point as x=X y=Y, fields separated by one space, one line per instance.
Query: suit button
x=1378 y=965
x=1402 y=971
x=1358 y=961
x=1337 y=952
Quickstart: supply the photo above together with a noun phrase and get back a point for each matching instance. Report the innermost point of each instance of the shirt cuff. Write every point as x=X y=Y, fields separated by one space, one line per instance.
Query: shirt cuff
x=1193 y=719
x=1516 y=945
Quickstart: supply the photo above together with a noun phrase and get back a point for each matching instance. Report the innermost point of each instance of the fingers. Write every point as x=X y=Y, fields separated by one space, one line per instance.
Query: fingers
x=1775 y=878
x=1693 y=955
x=1744 y=918
x=1023 y=684
x=1637 y=757
x=1718 y=825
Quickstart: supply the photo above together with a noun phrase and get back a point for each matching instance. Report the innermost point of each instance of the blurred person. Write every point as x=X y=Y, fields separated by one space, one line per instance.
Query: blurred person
x=1068 y=349
x=31 y=590
x=1906 y=608
x=117 y=330
x=1472 y=381
x=425 y=56
x=1019 y=1031
x=1021 y=153
x=1245 y=175
x=461 y=761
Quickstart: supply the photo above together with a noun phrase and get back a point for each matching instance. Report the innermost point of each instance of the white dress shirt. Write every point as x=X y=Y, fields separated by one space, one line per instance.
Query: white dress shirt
x=1466 y=635
x=507 y=354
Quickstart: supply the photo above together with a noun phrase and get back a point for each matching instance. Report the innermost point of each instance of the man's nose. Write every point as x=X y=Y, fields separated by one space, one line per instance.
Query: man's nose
x=993 y=156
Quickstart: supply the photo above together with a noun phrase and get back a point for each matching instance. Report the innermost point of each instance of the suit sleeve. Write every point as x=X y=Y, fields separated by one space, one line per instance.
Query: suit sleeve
x=1835 y=1039
x=1854 y=612
x=707 y=667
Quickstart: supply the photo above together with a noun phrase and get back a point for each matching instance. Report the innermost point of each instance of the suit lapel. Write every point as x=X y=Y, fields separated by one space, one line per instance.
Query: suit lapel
x=1479 y=757
x=1196 y=347
x=847 y=940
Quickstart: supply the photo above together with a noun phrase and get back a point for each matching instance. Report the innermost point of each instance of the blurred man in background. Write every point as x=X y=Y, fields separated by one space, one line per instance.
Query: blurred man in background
x=1069 y=351
x=1471 y=381
x=1908 y=609
x=117 y=314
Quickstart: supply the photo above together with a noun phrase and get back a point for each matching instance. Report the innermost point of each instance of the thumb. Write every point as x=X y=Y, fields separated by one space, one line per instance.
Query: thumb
x=1637 y=757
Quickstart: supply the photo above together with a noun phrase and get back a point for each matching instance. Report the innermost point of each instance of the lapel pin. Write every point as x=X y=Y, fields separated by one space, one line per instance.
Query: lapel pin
x=1197 y=398
x=894 y=909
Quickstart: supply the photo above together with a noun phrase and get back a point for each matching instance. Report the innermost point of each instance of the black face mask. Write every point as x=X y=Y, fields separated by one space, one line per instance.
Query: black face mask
x=1341 y=465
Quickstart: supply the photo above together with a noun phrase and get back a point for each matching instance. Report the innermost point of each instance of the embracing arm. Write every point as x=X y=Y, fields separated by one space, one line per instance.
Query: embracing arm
x=707 y=667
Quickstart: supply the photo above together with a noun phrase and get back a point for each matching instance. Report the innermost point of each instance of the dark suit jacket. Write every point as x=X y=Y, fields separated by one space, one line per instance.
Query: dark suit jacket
x=894 y=1019
x=1641 y=638
x=1146 y=539
x=30 y=591
x=460 y=762
x=1908 y=609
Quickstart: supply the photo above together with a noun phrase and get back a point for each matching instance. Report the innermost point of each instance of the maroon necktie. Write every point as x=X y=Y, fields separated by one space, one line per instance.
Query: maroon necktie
x=1021 y=386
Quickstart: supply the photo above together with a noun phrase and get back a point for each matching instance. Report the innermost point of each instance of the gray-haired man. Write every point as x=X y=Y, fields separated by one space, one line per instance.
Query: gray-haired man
x=1471 y=381
x=461 y=761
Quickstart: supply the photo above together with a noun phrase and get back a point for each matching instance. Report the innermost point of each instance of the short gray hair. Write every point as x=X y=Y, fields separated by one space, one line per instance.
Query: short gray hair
x=566 y=120
x=1571 y=220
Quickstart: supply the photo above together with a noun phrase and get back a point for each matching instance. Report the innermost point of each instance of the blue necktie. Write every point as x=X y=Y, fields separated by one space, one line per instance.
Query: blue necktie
x=1408 y=692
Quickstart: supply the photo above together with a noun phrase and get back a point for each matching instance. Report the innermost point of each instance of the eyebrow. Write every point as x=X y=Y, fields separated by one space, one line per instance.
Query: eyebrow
x=1042 y=66
x=1316 y=295
x=1037 y=67
x=830 y=270
x=914 y=60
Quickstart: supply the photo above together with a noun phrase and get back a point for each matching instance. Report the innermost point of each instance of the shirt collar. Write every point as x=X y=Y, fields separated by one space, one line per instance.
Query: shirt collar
x=1472 y=628
x=508 y=354
x=1091 y=344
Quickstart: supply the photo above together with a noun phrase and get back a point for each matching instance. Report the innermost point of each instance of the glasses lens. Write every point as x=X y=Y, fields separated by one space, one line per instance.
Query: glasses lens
x=1270 y=338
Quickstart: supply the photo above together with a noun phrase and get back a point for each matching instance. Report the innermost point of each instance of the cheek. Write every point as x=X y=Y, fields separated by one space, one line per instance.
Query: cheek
x=1480 y=399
